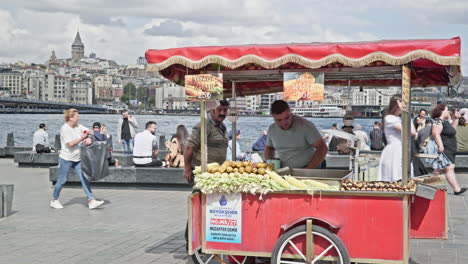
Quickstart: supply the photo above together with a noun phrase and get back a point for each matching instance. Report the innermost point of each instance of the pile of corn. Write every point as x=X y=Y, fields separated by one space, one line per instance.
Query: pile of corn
x=221 y=179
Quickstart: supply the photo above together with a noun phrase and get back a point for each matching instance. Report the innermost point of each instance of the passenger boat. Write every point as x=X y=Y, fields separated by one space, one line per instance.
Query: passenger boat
x=319 y=110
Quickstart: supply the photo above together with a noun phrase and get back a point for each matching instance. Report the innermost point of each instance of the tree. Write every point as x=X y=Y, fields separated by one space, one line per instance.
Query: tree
x=129 y=93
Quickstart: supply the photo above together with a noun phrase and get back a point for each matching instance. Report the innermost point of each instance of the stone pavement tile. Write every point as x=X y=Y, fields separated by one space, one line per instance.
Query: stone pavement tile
x=139 y=225
x=420 y=257
x=462 y=259
x=445 y=256
x=172 y=259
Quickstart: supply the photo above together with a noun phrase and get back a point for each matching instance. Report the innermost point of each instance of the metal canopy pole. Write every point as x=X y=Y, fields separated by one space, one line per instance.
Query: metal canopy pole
x=234 y=129
x=203 y=151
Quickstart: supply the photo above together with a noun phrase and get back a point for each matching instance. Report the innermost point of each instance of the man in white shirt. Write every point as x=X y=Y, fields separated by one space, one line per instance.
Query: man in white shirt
x=71 y=135
x=41 y=140
x=145 y=150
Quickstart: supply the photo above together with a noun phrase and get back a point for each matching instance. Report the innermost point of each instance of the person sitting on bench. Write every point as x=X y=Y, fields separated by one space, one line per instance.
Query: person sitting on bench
x=145 y=150
x=41 y=140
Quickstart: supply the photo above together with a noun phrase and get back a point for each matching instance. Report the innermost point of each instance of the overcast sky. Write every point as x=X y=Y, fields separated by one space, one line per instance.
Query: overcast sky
x=123 y=30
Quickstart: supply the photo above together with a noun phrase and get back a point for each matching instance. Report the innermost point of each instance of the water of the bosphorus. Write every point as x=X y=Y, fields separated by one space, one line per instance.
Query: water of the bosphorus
x=251 y=127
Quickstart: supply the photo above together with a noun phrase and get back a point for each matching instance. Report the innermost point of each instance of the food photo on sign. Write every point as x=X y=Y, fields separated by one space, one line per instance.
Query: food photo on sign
x=306 y=86
x=203 y=87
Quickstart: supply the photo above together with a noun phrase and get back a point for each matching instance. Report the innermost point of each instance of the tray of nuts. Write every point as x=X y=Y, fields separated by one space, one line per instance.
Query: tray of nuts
x=377 y=186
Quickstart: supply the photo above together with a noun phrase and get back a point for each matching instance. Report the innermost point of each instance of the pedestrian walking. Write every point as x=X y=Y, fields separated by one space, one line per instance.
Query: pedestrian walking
x=444 y=134
x=72 y=135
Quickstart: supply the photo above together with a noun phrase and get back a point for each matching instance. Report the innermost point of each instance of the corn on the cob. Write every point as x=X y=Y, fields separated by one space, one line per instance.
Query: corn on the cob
x=295 y=182
x=317 y=185
x=274 y=176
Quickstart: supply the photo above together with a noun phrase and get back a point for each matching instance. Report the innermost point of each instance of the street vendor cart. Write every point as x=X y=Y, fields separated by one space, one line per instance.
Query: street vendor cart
x=365 y=225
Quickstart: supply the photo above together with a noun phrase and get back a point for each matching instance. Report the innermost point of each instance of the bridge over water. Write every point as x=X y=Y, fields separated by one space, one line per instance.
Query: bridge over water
x=20 y=105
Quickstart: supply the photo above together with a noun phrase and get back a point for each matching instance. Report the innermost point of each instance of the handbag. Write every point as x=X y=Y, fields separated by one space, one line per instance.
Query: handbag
x=442 y=161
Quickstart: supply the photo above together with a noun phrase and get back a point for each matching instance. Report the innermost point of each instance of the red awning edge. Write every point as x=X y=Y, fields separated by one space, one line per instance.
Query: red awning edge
x=440 y=57
x=295 y=58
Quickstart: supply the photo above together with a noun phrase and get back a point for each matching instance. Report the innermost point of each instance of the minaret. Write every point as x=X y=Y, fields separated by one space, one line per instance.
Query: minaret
x=77 y=48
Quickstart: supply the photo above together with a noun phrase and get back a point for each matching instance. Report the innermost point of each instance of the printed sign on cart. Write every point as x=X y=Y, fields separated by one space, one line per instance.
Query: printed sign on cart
x=224 y=218
x=305 y=86
x=203 y=87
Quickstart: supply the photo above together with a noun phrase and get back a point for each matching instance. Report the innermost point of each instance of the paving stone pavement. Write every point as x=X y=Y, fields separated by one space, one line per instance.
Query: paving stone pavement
x=133 y=226
x=140 y=225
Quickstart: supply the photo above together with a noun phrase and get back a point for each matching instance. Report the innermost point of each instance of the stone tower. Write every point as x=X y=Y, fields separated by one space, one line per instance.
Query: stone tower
x=77 y=48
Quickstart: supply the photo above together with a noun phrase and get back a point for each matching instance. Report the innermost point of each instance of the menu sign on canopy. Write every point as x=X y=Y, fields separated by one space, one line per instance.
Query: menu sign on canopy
x=203 y=87
x=305 y=86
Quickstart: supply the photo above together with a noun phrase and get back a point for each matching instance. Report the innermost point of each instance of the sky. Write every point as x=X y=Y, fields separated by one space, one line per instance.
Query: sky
x=123 y=30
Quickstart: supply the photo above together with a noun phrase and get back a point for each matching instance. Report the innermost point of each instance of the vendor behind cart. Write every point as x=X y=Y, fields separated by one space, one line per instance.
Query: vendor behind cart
x=296 y=140
x=217 y=140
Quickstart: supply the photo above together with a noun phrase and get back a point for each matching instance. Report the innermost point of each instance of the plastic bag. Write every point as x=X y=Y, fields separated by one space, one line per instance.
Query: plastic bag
x=94 y=163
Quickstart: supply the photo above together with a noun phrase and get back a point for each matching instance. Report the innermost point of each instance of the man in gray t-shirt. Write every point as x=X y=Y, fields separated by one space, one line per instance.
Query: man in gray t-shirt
x=296 y=141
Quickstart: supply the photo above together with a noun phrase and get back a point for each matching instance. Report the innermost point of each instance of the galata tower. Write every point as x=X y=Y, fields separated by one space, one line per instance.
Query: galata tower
x=77 y=48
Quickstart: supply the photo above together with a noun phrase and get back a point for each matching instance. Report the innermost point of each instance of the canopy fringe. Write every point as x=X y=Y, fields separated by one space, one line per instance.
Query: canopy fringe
x=295 y=58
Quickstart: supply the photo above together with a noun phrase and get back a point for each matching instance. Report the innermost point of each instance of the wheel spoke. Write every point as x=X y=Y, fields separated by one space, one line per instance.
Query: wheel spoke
x=209 y=259
x=322 y=254
x=235 y=259
x=291 y=262
x=298 y=251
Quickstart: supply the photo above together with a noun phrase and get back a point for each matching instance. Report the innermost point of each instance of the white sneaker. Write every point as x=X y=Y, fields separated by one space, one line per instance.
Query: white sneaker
x=94 y=204
x=56 y=204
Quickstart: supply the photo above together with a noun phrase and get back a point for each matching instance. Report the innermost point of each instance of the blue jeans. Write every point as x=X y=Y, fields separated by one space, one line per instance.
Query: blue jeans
x=128 y=146
x=65 y=166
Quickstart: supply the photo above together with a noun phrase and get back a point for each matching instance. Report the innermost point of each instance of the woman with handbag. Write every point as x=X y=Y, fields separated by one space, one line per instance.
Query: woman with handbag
x=444 y=134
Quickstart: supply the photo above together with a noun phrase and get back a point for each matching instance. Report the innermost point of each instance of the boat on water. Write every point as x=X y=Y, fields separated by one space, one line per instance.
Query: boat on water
x=319 y=110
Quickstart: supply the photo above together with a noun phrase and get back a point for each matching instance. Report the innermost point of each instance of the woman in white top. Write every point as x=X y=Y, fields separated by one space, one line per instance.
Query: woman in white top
x=72 y=135
x=390 y=167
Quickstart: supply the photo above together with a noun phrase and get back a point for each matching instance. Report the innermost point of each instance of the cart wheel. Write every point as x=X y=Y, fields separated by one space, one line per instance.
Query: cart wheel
x=291 y=247
x=200 y=258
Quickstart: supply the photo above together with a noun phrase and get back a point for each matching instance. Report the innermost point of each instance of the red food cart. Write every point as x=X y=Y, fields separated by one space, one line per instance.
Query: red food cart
x=339 y=226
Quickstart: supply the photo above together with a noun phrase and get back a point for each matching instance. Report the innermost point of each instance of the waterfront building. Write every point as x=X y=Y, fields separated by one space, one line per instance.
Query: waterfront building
x=12 y=81
x=141 y=61
x=170 y=96
x=81 y=91
x=34 y=83
x=57 y=88
x=103 y=87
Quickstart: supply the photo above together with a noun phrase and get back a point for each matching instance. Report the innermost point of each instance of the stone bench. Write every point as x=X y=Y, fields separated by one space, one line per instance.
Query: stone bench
x=9 y=151
x=132 y=175
x=45 y=160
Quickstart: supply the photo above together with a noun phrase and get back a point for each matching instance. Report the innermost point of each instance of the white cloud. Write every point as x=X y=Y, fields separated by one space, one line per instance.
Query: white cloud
x=123 y=30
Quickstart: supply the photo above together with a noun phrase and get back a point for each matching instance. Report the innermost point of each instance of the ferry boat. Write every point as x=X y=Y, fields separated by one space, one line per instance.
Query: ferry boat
x=320 y=110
